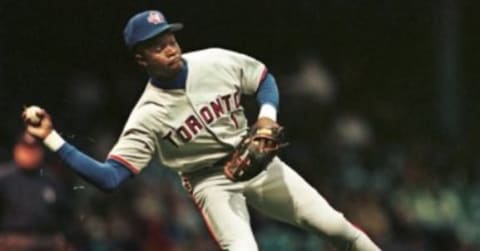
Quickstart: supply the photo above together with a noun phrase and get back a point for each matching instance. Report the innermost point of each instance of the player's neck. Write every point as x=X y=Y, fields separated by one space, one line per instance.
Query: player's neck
x=178 y=81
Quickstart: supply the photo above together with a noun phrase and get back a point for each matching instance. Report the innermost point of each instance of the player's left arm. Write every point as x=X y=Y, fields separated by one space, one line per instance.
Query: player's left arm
x=268 y=97
x=255 y=79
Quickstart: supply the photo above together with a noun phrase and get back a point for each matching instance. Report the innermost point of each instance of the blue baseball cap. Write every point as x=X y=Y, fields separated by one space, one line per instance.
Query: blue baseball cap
x=146 y=25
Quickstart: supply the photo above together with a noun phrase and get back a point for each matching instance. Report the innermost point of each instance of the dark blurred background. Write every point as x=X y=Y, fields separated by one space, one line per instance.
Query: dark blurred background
x=379 y=99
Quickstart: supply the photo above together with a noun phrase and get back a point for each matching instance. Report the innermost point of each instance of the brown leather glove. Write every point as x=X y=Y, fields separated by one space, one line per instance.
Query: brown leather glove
x=257 y=149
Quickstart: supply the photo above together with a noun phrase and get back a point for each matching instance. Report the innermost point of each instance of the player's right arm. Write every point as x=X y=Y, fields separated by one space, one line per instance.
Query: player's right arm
x=107 y=175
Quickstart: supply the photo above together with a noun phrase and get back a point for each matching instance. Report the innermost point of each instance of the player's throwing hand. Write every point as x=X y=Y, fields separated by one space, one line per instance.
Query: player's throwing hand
x=37 y=121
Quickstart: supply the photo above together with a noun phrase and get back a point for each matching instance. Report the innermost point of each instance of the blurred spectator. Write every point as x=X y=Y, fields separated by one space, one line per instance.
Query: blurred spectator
x=33 y=209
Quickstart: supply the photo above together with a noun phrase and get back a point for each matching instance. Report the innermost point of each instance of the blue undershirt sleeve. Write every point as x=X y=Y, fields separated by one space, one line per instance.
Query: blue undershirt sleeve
x=107 y=175
x=268 y=92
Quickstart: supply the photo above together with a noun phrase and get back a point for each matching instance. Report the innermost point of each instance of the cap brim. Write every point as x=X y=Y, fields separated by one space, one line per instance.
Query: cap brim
x=175 y=26
x=157 y=32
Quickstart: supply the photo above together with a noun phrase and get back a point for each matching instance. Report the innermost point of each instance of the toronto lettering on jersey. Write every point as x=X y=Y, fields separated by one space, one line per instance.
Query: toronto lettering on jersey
x=207 y=114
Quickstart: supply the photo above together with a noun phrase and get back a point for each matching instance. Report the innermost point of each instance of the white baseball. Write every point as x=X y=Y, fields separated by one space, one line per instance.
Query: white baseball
x=33 y=114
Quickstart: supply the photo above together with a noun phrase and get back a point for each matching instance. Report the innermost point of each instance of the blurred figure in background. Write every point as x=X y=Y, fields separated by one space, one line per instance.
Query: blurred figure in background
x=33 y=210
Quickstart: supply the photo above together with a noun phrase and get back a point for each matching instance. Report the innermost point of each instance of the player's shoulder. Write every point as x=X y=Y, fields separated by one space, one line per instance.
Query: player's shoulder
x=149 y=111
x=142 y=119
x=211 y=53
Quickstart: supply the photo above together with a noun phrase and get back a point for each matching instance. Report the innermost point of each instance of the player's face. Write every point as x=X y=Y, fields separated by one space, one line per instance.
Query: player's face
x=161 y=56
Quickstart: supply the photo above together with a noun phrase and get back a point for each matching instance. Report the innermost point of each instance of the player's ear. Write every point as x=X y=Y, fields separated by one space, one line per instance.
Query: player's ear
x=140 y=59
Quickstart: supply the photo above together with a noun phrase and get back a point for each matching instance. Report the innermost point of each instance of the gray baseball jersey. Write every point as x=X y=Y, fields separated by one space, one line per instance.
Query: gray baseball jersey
x=192 y=128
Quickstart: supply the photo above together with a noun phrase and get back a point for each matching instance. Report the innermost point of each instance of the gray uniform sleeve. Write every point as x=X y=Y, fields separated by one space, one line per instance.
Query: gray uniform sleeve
x=250 y=70
x=136 y=145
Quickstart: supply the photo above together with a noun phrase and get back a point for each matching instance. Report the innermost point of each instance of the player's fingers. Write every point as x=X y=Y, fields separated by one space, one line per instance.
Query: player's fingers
x=264 y=144
x=37 y=132
x=258 y=143
x=32 y=130
x=40 y=113
x=43 y=114
x=269 y=144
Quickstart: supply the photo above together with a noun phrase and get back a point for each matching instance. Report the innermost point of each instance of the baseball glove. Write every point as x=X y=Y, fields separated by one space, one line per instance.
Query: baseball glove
x=255 y=151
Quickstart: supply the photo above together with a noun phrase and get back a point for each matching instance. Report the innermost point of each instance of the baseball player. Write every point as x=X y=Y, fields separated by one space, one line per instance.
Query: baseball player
x=190 y=119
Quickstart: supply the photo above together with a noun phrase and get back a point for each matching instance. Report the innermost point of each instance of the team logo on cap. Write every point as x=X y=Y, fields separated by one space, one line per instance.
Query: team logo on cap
x=155 y=17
